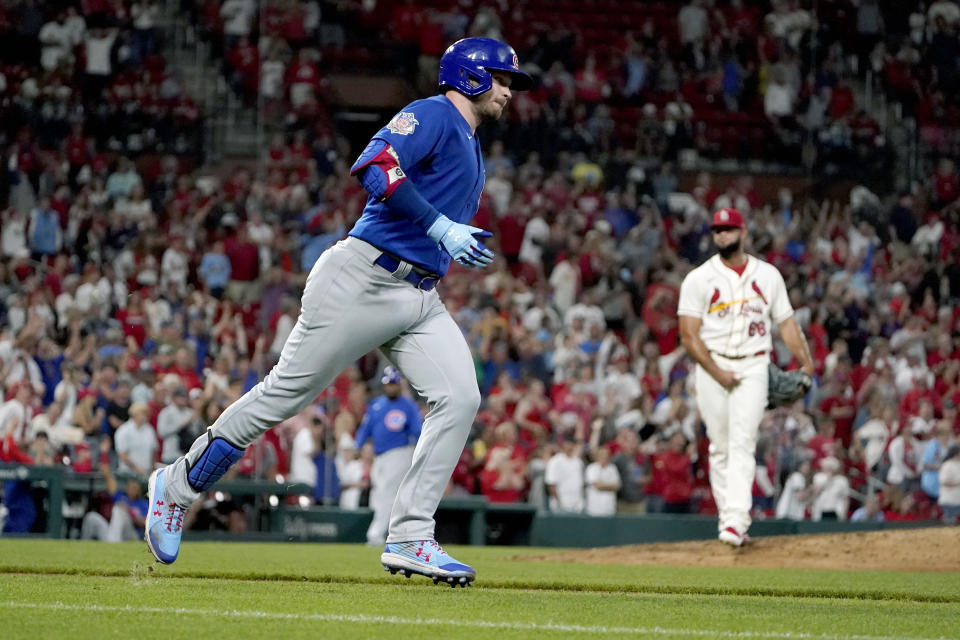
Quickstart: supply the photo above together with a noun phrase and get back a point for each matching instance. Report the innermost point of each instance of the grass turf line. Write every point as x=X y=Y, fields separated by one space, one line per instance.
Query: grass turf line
x=499 y=568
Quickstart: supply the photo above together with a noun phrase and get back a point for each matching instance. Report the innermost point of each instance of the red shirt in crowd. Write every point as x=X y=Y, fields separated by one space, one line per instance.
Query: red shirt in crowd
x=489 y=477
x=672 y=476
x=842 y=411
x=244 y=259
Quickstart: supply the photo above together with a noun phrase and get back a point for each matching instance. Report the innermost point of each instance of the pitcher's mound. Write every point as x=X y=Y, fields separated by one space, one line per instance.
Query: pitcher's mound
x=925 y=549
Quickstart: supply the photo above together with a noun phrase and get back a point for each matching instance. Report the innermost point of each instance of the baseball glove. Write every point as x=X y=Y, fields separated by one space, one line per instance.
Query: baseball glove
x=785 y=387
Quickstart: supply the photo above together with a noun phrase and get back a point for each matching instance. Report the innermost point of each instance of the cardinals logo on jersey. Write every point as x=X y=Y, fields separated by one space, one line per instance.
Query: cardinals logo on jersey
x=756 y=288
x=403 y=123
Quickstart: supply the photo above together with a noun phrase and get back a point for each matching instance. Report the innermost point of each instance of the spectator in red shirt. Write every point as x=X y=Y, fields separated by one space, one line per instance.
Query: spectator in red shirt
x=244 y=60
x=504 y=474
x=134 y=318
x=822 y=444
x=946 y=188
x=840 y=407
x=673 y=475
x=910 y=403
x=303 y=78
x=905 y=511
x=591 y=82
x=244 y=264
x=660 y=314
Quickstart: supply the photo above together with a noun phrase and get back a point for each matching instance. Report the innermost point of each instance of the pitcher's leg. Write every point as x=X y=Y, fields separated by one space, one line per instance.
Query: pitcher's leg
x=747 y=403
x=436 y=360
x=712 y=402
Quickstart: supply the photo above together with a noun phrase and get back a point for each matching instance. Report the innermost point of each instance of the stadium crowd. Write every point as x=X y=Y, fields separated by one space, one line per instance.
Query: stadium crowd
x=138 y=299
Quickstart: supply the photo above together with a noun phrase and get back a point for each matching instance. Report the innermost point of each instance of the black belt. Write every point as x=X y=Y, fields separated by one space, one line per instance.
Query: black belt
x=423 y=280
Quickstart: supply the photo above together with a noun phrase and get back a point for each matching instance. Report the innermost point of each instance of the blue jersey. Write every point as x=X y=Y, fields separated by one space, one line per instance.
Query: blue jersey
x=390 y=423
x=441 y=156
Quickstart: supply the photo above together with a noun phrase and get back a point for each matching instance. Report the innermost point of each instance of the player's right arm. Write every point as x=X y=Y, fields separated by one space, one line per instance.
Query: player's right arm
x=378 y=168
x=690 y=336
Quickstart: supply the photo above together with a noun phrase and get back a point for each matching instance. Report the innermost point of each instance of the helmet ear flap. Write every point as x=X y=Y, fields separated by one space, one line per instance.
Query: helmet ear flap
x=473 y=82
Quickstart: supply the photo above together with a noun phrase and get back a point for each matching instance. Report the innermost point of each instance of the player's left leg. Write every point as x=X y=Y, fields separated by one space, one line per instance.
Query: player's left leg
x=342 y=317
x=436 y=360
x=747 y=404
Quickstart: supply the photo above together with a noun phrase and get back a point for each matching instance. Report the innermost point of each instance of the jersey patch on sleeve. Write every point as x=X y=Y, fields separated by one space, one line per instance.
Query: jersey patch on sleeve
x=403 y=123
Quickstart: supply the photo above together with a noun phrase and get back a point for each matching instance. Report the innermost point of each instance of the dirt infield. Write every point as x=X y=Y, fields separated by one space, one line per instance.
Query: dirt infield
x=932 y=549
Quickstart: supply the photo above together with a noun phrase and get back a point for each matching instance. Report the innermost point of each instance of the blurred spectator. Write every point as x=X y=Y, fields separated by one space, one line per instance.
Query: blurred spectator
x=933 y=455
x=503 y=478
x=831 y=492
x=949 y=480
x=905 y=453
x=171 y=422
x=634 y=474
x=796 y=495
x=305 y=444
x=127 y=511
x=136 y=443
x=869 y=512
x=564 y=477
x=602 y=481
x=672 y=473
x=354 y=478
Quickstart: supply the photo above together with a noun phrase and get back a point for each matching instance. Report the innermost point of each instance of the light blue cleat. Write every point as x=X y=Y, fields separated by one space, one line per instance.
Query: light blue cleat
x=164 y=524
x=427 y=558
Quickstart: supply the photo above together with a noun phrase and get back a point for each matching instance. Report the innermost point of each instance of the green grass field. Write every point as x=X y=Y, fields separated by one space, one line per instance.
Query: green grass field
x=80 y=590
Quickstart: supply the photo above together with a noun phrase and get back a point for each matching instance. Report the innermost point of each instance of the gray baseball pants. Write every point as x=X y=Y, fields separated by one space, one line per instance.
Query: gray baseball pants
x=351 y=306
x=386 y=476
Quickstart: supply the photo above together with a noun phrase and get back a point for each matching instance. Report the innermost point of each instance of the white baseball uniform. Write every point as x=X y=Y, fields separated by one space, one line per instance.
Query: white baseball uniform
x=737 y=313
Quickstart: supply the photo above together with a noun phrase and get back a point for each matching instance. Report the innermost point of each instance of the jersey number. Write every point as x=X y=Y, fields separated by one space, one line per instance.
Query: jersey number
x=757 y=329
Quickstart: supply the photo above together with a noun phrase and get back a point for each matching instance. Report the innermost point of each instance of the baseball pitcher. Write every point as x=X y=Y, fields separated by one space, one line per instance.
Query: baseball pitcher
x=424 y=174
x=727 y=310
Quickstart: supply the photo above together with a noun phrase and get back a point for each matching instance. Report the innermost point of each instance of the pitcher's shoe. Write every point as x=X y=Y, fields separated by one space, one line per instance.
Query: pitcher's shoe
x=732 y=537
x=427 y=558
x=164 y=524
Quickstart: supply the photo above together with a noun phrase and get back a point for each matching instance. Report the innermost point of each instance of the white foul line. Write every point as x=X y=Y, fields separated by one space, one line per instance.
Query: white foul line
x=482 y=624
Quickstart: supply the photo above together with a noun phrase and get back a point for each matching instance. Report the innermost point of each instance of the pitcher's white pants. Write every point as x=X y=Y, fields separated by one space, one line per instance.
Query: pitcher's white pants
x=733 y=419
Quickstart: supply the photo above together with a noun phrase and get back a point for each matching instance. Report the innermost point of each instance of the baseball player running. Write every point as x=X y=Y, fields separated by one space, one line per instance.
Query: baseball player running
x=393 y=422
x=424 y=175
x=727 y=309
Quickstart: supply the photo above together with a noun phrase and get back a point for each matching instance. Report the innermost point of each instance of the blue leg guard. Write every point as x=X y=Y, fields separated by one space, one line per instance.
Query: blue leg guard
x=212 y=464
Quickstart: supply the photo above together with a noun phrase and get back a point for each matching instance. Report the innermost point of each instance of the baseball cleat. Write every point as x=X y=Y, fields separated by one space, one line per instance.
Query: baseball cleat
x=427 y=558
x=164 y=524
x=731 y=537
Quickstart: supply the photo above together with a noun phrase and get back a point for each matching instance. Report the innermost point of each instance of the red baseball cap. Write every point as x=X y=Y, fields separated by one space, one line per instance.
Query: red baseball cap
x=728 y=218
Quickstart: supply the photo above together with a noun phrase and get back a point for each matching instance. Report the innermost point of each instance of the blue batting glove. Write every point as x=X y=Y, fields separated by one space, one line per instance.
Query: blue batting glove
x=461 y=241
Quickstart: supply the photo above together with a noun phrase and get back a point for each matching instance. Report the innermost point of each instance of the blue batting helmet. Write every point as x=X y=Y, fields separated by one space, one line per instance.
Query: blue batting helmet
x=466 y=65
x=390 y=376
